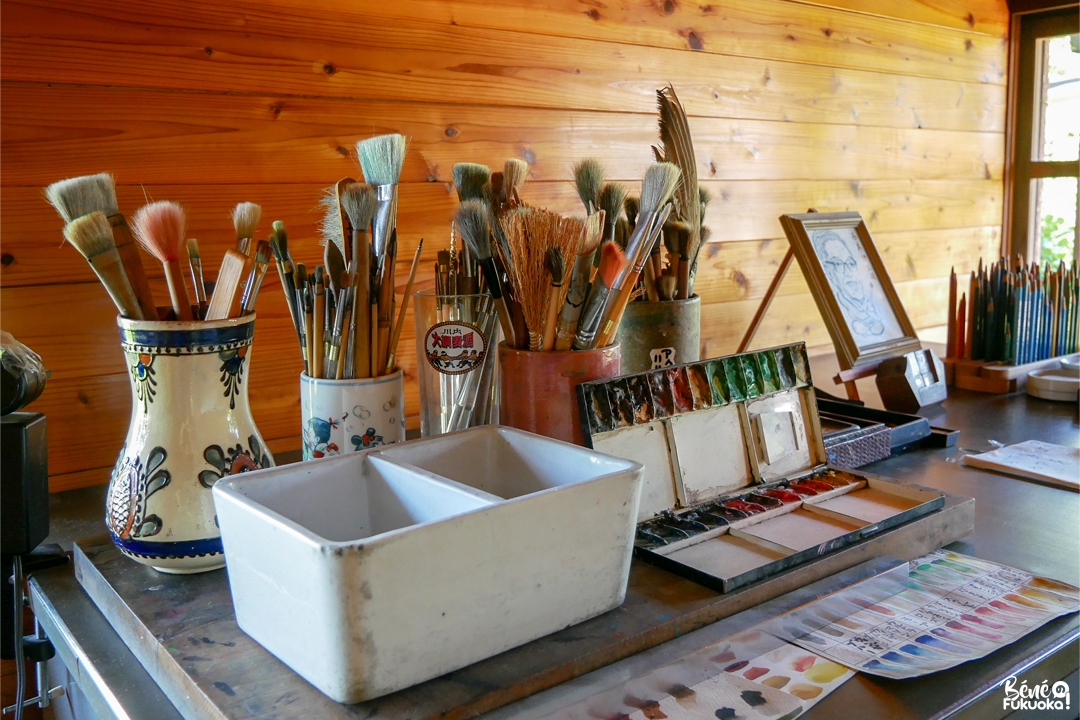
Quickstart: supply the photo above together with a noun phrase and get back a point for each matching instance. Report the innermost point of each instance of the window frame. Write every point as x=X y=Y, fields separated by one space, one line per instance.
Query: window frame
x=1027 y=61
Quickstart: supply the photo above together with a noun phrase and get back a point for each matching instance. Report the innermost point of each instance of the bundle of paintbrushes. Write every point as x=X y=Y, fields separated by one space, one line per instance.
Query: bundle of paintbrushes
x=344 y=310
x=671 y=266
x=556 y=285
x=1015 y=313
x=100 y=233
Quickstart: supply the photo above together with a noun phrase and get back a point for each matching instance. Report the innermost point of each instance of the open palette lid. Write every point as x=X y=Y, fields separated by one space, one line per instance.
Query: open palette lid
x=708 y=428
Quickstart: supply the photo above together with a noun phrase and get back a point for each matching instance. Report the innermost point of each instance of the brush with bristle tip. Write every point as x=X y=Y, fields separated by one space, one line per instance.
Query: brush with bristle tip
x=387 y=304
x=318 y=322
x=330 y=231
x=358 y=202
x=279 y=245
x=92 y=236
x=475 y=229
x=245 y=218
x=344 y=226
x=617 y=302
x=631 y=206
x=580 y=276
x=391 y=356
x=79 y=196
x=668 y=286
x=678 y=148
x=335 y=267
x=612 y=198
x=159 y=228
x=381 y=159
x=657 y=187
x=470 y=179
x=589 y=179
x=555 y=264
x=303 y=315
x=612 y=262
x=515 y=172
x=255 y=279
x=195 y=265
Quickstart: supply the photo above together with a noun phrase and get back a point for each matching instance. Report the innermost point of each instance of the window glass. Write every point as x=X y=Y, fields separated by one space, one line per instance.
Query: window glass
x=1057 y=201
x=1061 y=113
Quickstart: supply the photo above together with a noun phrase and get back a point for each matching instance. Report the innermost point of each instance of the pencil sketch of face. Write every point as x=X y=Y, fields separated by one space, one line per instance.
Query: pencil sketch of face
x=863 y=305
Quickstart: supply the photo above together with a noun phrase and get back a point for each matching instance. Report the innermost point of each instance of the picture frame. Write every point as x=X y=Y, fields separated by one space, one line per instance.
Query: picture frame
x=851 y=286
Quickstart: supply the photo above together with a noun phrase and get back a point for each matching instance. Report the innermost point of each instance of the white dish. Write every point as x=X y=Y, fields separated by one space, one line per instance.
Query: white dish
x=1061 y=384
x=371 y=572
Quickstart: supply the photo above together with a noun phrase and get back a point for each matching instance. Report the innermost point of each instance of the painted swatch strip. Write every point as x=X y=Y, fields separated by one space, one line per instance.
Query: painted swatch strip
x=796 y=671
x=955 y=609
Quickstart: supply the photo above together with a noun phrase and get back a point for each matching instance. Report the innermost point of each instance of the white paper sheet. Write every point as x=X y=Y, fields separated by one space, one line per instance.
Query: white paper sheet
x=1033 y=459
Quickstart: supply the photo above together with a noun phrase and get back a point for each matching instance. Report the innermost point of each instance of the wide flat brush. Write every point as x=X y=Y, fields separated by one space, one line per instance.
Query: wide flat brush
x=470 y=179
x=381 y=160
x=245 y=218
x=159 y=228
x=92 y=236
x=612 y=263
x=227 y=287
x=76 y=197
x=515 y=172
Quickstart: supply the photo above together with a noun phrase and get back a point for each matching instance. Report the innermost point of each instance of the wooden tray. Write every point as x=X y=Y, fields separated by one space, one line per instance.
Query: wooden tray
x=183 y=630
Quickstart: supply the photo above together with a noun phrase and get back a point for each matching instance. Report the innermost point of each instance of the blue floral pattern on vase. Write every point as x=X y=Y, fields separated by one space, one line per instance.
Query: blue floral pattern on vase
x=141 y=366
x=231 y=461
x=132 y=484
x=232 y=372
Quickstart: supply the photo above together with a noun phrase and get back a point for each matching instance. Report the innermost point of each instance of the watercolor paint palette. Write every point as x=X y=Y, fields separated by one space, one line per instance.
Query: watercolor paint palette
x=737 y=484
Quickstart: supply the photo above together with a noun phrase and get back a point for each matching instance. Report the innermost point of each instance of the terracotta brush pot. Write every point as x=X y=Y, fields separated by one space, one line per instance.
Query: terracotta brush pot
x=190 y=426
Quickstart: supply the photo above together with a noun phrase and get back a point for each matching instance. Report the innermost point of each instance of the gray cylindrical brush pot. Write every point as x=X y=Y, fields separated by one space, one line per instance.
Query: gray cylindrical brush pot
x=658 y=334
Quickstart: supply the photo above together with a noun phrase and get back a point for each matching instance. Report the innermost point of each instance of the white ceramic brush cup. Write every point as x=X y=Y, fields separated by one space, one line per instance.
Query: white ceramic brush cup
x=341 y=416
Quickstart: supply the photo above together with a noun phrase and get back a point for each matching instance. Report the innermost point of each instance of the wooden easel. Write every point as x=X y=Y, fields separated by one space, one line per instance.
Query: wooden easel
x=845 y=377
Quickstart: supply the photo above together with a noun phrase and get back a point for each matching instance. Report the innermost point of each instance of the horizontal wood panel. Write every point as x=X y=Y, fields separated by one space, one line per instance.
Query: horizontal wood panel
x=175 y=138
x=741 y=210
x=984 y=16
x=799 y=32
x=248 y=47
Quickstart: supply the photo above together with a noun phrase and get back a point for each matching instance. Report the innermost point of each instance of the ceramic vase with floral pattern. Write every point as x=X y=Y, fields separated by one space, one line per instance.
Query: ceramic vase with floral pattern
x=190 y=426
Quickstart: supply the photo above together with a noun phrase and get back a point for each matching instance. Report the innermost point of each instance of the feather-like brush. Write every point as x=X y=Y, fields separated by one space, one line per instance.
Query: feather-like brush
x=475 y=229
x=589 y=179
x=159 y=228
x=580 y=277
x=358 y=202
x=612 y=261
x=92 y=236
x=245 y=218
x=79 y=196
x=556 y=267
x=678 y=149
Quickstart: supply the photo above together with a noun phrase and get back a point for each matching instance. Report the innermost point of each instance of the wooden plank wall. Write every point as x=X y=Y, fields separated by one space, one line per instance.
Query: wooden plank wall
x=897 y=112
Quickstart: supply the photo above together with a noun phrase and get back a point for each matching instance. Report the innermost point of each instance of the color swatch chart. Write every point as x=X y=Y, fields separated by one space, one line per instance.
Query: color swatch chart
x=956 y=608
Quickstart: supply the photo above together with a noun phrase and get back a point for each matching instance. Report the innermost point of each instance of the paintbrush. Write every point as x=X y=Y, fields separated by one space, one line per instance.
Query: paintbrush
x=612 y=263
x=580 y=277
x=556 y=267
x=589 y=179
x=279 y=245
x=391 y=356
x=530 y=232
x=950 y=337
x=381 y=159
x=358 y=203
x=657 y=187
x=613 y=314
x=515 y=172
x=306 y=309
x=159 y=228
x=92 y=236
x=611 y=202
x=318 y=307
x=475 y=229
x=470 y=179
x=195 y=265
x=76 y=197
x=245 y=218
x=255 y=279
x=387 y=300
x=227 y=286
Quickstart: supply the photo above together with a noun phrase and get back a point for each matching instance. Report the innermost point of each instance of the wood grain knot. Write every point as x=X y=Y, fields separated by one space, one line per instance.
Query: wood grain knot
x=6 y=259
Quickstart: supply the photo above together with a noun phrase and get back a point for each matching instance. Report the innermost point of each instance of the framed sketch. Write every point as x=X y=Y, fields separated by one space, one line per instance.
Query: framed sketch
x=851 y=287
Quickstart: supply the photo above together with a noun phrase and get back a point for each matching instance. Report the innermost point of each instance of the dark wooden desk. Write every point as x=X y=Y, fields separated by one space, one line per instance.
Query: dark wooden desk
x=1018 y=523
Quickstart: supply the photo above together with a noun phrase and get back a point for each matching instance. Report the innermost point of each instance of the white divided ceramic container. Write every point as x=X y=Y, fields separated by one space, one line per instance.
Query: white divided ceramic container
x=370 y=572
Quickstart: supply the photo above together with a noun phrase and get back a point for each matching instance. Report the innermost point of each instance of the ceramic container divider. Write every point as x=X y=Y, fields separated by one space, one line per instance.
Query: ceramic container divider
x=340 y=416
x=374 y=571
x=190 y=427
x=660 y=334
